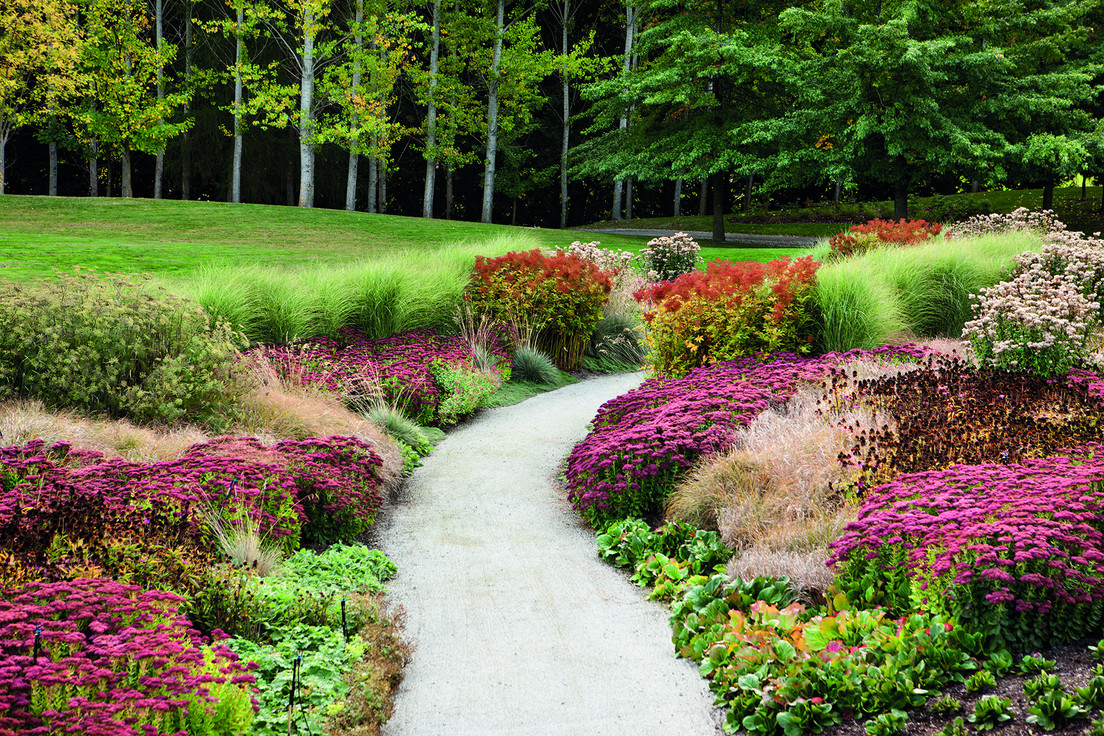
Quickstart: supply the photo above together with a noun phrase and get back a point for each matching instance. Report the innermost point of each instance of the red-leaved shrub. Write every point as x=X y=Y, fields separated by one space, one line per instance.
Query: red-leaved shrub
x=879 y=232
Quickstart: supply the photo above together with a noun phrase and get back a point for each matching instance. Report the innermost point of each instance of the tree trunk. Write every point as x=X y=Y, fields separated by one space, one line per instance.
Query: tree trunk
x=836 y=192
x=720 y=186
x=448 y=194
x=185 y=141
x=107 y=183
x=239 y=51
x=678 y=197
x=128 y=190
x=351 y=179
x=94 y=169
x=628 y=198
x=702 y=198
x=975 y=186
x=382 y=165
x=1084 y=187
x=630 y=23
x=159 y=165
x=1048 y=194
x=431 y=115
x=492 y=116
x=747 y=193
x=373 y=178
x=306 y=113
x=565 y=142
x=3 y=159
x=900 y=199
x=53 y=169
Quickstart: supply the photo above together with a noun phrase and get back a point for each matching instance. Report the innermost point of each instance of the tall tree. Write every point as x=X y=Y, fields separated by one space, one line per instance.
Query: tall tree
x=39 y=44
x=697 y=60
x=904 y=89
x=121 y=63
x=431 y=109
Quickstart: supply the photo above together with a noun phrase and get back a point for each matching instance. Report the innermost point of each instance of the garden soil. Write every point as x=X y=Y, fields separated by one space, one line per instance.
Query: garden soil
x=518 y=627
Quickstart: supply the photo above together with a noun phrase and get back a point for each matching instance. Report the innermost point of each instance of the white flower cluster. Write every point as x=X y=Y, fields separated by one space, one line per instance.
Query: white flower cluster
x=1046 y=316
x=614 y=261
x=1022 y=219
x=665 y=259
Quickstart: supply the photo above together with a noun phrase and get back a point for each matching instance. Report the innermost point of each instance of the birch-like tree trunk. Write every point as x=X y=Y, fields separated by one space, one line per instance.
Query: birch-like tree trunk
x=128 y=189
x=306 y=112
x=618 y=184
x=53 y=169
x=449 y=196
x=431 y=114
x=678 y=197
x=373 y=177
x=4 y=135
x=159 y=164
x=239 y=52
x=382 y=166
x=354 y=158
x=492 y=116
x=94 y=169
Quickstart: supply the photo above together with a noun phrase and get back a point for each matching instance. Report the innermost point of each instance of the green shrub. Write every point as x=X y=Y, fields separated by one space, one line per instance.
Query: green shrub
x=729 y=311
x=560 y=296
x=464 y=388
x=534 y=366
x=116 y=345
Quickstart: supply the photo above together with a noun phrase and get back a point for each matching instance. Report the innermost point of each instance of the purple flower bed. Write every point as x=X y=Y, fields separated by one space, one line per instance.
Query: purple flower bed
x=644 y=441
x=1012 y=550
x=320 y=489
x=99 y=658
x=400 y=365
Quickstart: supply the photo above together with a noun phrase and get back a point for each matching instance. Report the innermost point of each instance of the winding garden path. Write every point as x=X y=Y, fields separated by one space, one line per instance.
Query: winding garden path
x=518 y=626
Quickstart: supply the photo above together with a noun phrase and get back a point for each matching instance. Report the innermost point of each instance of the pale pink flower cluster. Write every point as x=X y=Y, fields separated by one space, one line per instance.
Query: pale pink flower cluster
x=667 y=258
x=1019 y=220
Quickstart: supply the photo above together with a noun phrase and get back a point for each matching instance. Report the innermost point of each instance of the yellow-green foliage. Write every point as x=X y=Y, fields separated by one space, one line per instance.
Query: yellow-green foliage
x=116 y=345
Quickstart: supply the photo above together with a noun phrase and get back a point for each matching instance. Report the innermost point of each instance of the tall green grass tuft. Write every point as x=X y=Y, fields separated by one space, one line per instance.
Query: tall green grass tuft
x=399 y=291
x=922 y=290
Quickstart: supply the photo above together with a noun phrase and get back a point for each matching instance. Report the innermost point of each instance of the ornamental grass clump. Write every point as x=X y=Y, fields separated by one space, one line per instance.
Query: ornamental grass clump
x=667 y=258
x=1014 y=552
x=115 y=345
x=1045 y=318
x=728 y=311
x=561 y=296
x=99 y=658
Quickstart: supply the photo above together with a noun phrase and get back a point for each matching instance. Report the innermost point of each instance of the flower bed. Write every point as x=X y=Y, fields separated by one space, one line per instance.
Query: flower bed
x=1015 y=551
x=645 y=440
x=63 y=513
x=102 y=659
x=398 y=369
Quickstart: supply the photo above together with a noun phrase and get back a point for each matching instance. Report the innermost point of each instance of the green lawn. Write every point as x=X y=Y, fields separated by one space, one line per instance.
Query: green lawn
x=173 y=238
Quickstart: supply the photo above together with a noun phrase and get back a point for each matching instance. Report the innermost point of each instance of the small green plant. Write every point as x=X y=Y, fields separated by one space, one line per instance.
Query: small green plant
x=989 y=712
x=887 y=724
x=1043 y=683
x=1033 y=665
x=534 y=366
x=1054 y=709
x=980 y=681
x=1097 y=728
x=957 y=727
x=464 y=390
x=1092 y=695
x=946 y=704
x=1000 y=663
x=1097 y=651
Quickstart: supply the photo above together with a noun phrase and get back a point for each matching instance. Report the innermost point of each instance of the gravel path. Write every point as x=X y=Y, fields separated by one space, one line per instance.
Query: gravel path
x=518 y=626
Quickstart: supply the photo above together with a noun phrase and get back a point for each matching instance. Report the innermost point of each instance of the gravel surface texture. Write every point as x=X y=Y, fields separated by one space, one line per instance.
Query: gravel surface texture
x=518 y=626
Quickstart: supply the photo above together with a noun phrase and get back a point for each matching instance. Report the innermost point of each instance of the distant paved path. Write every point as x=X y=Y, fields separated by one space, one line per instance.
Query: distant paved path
x=747 y=239
x=518 y=626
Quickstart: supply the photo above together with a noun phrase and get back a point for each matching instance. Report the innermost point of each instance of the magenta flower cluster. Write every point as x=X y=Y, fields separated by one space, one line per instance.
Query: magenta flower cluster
x=111 y=661
x=1026 y=537
x=329 y=485
x=643 y=441
x=400 y=366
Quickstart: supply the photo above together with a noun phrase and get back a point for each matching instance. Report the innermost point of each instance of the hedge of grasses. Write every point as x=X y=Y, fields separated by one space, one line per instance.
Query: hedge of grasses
x=870 y=299
x=400 y=291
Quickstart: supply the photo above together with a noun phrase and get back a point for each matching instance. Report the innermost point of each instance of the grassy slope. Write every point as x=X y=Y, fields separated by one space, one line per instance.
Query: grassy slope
x=169 y=237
